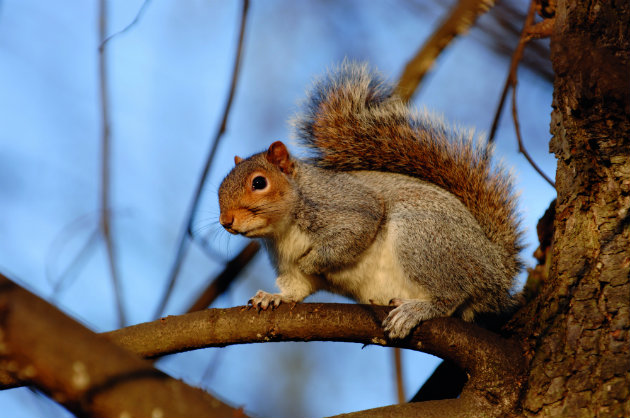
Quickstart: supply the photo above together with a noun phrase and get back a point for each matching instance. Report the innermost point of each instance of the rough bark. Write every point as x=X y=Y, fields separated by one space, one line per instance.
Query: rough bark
x=577 y=329
x=84 y=371
x=494 y=365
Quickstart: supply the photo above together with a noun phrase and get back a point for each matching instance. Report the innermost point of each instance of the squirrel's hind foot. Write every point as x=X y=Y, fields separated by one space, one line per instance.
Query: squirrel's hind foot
x=408 y=315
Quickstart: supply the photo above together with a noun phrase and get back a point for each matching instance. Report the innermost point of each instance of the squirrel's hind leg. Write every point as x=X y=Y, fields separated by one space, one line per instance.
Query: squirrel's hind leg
x=410 y=313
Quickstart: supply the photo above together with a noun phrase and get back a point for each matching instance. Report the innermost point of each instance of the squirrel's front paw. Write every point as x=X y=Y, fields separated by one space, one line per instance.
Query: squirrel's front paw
x=402 y=320
x=263 y=300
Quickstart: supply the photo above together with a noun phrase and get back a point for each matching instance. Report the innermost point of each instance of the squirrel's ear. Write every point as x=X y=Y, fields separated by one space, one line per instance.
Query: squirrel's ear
x=237 y=160
x=278 y=155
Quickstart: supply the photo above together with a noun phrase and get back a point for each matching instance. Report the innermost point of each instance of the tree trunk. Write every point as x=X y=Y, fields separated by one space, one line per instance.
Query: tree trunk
x=576 y=332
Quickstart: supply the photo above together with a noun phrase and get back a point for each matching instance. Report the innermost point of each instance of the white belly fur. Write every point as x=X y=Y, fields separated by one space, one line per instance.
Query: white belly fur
x=377 y=277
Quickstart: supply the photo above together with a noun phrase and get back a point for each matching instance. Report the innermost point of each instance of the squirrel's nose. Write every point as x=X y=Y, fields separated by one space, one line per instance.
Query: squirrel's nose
x=226 y=220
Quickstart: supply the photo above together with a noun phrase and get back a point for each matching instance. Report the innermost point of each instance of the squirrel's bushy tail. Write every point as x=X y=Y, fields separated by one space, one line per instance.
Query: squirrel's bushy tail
x=353 y=120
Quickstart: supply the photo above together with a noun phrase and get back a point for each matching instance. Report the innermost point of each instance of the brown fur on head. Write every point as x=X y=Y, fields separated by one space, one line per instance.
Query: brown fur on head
x=256 y=195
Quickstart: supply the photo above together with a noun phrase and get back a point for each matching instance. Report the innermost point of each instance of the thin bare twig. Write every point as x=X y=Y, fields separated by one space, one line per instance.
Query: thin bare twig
x=126 y=28
x=105 y=215
x=521 y=147
x=461 y=17
x=504 y=25
x=74 y=265
x=400 y=387
x=516 y=58
x=105 y=220
x=58 y=281
x=510 y=83
x=184 y=237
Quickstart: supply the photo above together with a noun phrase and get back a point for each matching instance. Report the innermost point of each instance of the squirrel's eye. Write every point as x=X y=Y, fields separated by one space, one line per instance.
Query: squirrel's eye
x=259 y=183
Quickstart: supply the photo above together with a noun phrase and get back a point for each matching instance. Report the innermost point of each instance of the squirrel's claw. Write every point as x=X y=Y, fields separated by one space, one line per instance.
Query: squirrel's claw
x=402 y=320
x=263 y=300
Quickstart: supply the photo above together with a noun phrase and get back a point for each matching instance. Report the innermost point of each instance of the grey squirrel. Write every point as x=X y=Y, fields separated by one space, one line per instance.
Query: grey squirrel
x=393 y=207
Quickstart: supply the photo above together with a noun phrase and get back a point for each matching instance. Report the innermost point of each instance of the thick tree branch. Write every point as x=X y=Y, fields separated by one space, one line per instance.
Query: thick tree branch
x=494 y=365
x=84 y=371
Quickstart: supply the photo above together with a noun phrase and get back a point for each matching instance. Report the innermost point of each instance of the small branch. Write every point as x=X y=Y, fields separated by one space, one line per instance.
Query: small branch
x=221 y=283
x=183 y=241
x=398 y=371
x=461 y=17
x=105 y=221
x=541 y=29
x=126 y=28
x=511 y=82
x=521 y=147
x=78 y=260
x=516 y=58
x=85 y=372
x=506 y=24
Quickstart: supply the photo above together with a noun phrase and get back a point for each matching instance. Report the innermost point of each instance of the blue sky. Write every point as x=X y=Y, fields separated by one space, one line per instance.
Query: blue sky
x=168 y=79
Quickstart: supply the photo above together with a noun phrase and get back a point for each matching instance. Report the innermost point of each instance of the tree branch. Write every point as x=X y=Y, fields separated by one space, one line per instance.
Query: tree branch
x=86 y=372
x=461 y=17
x=519 y=138
x=516 y=58
x=398 y=375
x=494 y=365
x=105 y=218
x=129 y=26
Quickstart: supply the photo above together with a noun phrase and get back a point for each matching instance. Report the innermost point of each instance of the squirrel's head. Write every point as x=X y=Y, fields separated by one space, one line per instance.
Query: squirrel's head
x=256 y=197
